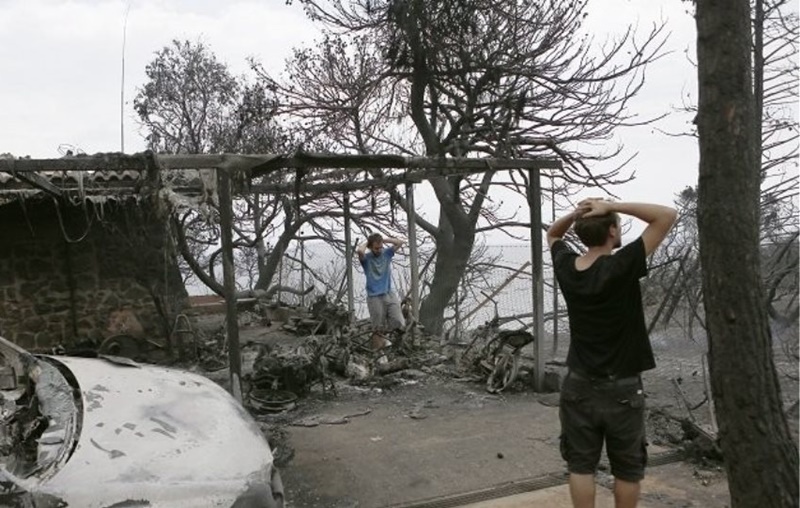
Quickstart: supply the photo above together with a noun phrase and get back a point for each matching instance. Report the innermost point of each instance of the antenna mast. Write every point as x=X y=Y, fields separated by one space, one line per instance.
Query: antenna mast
x=122 y=85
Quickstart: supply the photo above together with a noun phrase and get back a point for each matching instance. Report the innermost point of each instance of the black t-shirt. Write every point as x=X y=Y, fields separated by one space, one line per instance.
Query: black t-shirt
x=607 y=329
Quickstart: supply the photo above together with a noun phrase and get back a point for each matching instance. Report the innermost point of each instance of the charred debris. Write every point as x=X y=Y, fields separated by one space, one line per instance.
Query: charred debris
x=291 y=352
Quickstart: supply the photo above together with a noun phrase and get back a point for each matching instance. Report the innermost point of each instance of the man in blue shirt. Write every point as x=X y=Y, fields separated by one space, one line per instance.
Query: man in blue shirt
x=383 y=305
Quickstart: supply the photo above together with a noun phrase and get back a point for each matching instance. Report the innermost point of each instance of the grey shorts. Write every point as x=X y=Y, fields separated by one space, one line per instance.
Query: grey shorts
x=384 y=312
x=592 y=413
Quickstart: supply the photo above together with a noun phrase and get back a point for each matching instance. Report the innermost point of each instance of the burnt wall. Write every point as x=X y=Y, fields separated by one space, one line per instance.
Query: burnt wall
x=85 y=272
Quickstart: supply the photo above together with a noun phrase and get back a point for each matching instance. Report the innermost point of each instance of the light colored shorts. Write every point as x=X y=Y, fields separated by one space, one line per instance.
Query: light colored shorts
x=385 y=313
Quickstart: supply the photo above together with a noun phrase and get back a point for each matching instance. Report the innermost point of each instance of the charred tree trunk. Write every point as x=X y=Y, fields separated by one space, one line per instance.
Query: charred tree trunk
x=760 y=457
x=267 y=271
x=455 y=236
x=453 y=252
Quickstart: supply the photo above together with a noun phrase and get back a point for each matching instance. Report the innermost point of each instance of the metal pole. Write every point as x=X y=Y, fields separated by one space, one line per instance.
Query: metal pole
x=537 y=279
x=229 y=281
x=122 y=85
x=412 y=248
x=348 y=252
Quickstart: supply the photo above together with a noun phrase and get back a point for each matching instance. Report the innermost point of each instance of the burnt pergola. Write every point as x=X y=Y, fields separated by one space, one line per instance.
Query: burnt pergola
x=57 y=177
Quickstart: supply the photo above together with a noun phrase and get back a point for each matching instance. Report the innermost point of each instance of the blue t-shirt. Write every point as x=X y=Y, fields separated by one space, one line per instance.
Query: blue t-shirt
x=378 y=270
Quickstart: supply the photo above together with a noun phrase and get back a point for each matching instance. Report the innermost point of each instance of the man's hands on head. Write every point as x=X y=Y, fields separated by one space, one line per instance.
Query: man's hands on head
x=659 y=219
x=559 y=228
x=594 y=207
x=397 y=243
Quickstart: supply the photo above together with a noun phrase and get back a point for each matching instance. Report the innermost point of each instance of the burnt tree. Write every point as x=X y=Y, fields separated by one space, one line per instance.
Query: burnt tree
x=466 y=78
x=760 y=457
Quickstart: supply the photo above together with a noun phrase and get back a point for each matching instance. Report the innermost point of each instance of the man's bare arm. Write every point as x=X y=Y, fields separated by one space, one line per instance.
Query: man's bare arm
x=395 y=242
x=559 y=228
x=659 y=218
x=361 y=250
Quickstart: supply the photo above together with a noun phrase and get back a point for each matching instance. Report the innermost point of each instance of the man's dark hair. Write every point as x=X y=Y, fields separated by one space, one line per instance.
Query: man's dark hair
x=374 y=238
x=593 y=231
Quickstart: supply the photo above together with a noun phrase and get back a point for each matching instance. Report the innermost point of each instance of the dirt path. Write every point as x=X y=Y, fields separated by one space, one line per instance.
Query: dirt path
x=427 y=436
x=431 y=438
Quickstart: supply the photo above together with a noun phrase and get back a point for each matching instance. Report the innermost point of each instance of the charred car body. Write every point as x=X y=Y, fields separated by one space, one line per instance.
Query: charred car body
x=103 y=432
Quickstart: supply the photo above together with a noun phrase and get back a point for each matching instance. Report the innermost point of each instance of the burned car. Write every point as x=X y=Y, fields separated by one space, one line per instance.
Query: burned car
x=108 y=432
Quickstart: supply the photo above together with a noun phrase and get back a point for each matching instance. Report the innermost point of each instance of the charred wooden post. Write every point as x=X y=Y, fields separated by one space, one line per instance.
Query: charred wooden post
x=555 y=280
x=348 y=245
x=412 y=249
x=537 y=276
x=302 y=270
x=229 y=281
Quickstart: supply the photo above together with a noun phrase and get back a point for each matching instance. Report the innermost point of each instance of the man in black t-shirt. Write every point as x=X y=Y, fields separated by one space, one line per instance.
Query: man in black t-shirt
x=602 y=399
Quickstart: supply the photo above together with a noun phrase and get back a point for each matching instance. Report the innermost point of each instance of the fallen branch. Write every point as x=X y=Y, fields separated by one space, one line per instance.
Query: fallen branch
x=316 y=420
x=267 y=294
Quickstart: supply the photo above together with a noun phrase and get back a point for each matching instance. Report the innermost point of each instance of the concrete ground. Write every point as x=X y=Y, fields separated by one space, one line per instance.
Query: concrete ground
x=668 y=485
x=447 y=445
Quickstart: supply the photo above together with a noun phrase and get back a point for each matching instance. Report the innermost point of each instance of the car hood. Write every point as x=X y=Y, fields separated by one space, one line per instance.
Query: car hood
x=158 y=436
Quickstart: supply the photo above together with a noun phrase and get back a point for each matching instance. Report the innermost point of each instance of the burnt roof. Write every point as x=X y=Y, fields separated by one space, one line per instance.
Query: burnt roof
x=75 y=179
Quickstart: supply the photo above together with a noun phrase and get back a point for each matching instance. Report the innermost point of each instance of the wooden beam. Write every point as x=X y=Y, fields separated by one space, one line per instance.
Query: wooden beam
x=264 y=163
x=387 y=181
x=417 y=169
x=363 y=162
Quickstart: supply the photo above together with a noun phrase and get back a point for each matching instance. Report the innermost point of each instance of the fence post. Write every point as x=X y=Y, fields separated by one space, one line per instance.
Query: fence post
x=412 y=247
x=537 y=274
x=348 y=240
x=229 y=281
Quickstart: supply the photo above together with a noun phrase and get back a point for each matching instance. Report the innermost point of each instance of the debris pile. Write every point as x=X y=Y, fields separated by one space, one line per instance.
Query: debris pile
x=327 y=348
x=494 y=355
x=296 y=369
x=321 y=347
x=323 y=317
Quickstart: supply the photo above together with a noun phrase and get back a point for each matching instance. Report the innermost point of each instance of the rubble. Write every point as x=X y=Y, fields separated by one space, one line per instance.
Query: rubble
x=322 y=349
x=331 y=347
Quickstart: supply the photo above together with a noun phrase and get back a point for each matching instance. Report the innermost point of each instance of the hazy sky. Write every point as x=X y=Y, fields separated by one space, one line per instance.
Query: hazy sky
x=61 y=63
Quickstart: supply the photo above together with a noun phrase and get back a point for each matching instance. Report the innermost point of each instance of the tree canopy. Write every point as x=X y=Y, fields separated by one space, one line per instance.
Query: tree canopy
x=501 y=78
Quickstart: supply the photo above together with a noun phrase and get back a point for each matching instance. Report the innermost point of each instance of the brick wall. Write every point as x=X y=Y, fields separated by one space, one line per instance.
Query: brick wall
x=102 y=283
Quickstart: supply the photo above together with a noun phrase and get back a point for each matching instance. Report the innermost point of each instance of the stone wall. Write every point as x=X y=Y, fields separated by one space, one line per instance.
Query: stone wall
x=117 y=274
